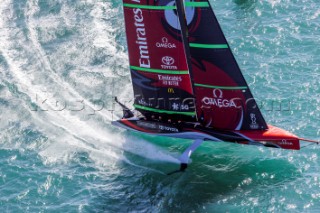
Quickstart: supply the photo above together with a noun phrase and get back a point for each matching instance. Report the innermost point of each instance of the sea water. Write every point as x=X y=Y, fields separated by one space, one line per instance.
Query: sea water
x=63 y=61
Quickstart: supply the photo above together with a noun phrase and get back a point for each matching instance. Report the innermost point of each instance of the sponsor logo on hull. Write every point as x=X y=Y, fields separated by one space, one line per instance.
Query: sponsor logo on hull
x=286 y=143
x=147 y=125
x=155 y=126
x=167 y=128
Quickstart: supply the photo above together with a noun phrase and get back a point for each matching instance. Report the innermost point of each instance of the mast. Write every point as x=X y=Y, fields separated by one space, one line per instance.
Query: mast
x=184 y=32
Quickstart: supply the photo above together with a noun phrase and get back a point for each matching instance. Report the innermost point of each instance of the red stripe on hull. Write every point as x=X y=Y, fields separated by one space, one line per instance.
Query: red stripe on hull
x=274 y=135
x=133 y=126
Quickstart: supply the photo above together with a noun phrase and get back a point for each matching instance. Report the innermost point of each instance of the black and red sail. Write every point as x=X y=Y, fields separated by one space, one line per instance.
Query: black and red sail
x=182 y=65
x=160 y=74
x=223 y=98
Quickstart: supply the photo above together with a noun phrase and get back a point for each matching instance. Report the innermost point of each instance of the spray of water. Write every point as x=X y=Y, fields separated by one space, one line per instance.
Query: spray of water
x=40 y=73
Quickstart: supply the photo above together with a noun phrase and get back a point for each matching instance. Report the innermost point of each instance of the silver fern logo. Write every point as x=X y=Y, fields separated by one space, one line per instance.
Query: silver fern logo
x=172 y=18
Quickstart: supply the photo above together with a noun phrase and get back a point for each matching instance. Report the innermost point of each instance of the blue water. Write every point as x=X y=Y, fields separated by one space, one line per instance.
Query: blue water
x=61 y=62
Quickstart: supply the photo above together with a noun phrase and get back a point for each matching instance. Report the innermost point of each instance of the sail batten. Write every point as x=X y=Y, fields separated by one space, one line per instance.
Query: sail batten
x=196 y=4
x=181 y=72
x=150 y=7
x=220 y=87
x=209 y=46
x=164 y=111
x=155 y=7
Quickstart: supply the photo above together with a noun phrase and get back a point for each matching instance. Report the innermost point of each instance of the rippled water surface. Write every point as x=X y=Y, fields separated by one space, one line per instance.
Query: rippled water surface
x=62 y=61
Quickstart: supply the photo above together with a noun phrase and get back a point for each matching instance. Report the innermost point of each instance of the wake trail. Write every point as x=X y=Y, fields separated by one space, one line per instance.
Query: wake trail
x=35 y=77
x=70 y=125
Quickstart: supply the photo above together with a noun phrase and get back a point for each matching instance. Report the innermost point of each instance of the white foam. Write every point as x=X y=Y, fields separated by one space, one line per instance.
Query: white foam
x=36 y=76
x=24 y=74
x=316 y=14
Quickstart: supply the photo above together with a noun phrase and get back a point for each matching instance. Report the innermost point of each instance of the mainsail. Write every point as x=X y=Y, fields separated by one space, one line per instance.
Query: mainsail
x=182 y=65
x=223 y=98
x=158 y=64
